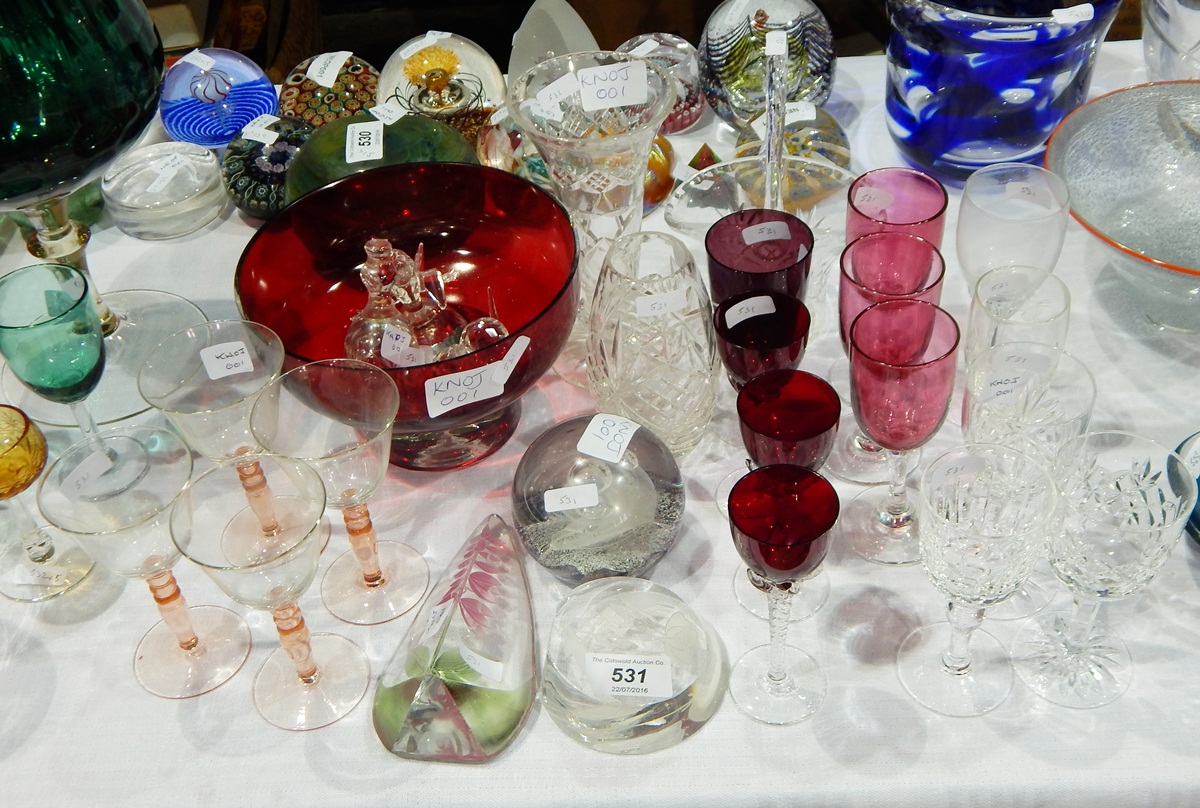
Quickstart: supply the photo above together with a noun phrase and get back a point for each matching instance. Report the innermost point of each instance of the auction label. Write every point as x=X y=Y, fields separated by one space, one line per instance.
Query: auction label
x=77 y=484
x=364 y=141
x=872 y=201
x=389 y=112
x=258 y=129
x=166 y=168
x=767 y=231
x=226 y=359
x=200 y=60
x=615 y=85
x=324 y=68
x=607 y=437
x=663 y=303
x=750 y=307
x=453 y=390
x=638 y=676
x=571 y=497
x=39 y=575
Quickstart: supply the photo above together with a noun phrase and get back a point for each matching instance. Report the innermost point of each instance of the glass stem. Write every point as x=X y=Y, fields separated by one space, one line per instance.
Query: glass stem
x=87 y=425
x=37 y=543
x=363 y=542
x=1083 y=622
x=864 y=444
x=897 y=511
x=259 y=496
x=296 y=641
x=779 y=610
x=963 y=622
x=772 y=149
x=173 y=608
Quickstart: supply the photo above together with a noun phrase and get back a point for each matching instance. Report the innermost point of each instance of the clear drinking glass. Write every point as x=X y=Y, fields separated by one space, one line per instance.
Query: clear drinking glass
x=336 y=415
x=311 y=680
x=193 y=649
x=1124 y=501
x=1017 y=304
x=1171 y=39
x=1012 y=214
x=652 y=354
x=986 y=512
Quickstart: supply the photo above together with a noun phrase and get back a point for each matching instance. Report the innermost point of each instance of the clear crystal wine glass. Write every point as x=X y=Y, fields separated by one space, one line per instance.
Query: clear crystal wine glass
x=785 y=416
x=37 y=566
x=337 y=415
x=1125 y=500
x=311 y=680
x=986 y=512
x=193 y=649
x=781 y=517
x=1016 y=304
x=902 y=367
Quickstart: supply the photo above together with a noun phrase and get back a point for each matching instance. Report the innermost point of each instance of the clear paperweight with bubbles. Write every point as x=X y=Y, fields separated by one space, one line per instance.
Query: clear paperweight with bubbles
x=598 y=496
x=630 y=668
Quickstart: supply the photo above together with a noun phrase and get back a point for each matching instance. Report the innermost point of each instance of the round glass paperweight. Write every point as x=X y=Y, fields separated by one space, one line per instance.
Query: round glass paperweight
x=598 y=496
x=211 y=93
x=164 y=191
x=680 y=60
x=630 y=668
x=328 y=86
x=440 y=74
x=254 y=168
x=809 y=132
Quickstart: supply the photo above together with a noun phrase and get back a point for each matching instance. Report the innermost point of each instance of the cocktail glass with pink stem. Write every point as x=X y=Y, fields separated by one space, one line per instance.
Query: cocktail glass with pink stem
x=193 y=649
x=902 y=368
x=311 y=680
x=754 y=250
x=781 y=517
x=887 y=265
x=336 y=415
x=758 y=332
x=786 y=416
x=898 y=199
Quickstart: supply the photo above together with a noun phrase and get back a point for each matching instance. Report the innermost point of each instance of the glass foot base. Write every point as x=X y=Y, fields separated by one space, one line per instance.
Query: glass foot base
x=166 y=670
x=807 y=599
x=405 y=579
x=980 y=689
x=1066 y=664
x=146 y=318
x=27 y=581
x=854 y=461
x=342 y=679
x=721 y=494
x=789 y=701
x=865 y=533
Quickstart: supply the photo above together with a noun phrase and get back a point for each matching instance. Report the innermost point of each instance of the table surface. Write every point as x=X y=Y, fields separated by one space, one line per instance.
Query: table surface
x=76 y=728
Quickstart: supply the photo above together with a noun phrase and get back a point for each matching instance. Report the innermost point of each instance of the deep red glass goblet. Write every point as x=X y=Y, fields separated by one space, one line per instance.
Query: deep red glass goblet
x=758 y=332
x=756 y=250
x=788 y=416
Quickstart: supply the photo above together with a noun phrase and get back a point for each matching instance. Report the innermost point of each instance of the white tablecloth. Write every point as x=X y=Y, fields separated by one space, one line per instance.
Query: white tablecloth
x=76 y=729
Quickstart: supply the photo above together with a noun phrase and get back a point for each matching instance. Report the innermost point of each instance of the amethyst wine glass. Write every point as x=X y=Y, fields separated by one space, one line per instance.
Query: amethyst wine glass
x=755 y=250
x=781 y=517
x=758 y=332
x=902 y=365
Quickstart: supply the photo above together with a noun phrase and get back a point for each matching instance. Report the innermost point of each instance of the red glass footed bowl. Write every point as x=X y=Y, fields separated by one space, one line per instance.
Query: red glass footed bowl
x=499 y=241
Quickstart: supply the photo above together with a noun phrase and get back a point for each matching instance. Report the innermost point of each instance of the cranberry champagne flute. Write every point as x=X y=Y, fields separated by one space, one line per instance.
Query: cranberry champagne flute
x=902 y=365
x=781 y=517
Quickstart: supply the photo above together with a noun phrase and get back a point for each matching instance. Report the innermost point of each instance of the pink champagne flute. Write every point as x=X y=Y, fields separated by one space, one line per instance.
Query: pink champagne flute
x=781 y=517
x=902 y=366
x=756 y=250
x=758 y=332
x=898 y=199
x=887 y=265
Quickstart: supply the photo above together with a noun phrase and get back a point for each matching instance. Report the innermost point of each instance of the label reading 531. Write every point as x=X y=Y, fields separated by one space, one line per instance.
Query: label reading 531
x=628 y=675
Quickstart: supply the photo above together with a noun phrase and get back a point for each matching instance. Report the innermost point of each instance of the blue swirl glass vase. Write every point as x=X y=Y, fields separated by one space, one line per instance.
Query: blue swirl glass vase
x=974 y=83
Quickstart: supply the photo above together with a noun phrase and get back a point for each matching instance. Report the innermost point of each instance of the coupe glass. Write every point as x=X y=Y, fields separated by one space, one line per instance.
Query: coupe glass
x=205 y=380
x=270 y=570
x=781 y=517
x=902 y=364
x=51 y=336
x=1125 y=500
x=337 y=415
x=756 y=250
x=192 y=650
x=37 y=566
x=786 y=416
x=895 y=198
x=1017 y=304
x=61 y=135
x=758 y=332
x=986 y=512
x=885 y=265
x=1012 y=214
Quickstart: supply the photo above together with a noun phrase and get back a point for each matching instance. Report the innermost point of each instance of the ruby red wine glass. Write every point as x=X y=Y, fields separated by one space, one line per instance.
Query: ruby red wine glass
x=902 y=364
x=756 y=250
x=758 y=332
x=781 y=517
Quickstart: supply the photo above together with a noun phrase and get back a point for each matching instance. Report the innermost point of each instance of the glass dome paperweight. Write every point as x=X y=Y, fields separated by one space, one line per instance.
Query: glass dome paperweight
x=733 y=55
x=164 y=191
x=328 y=86
x=441 y=74
x=598 y=496
x=630 y=668
x=680 y=60
x=809 y=132
x=462 y=683
x=254 y=168
x=211 y=93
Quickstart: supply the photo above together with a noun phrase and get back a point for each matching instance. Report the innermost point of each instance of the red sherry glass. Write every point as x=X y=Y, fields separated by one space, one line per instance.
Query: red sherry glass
x=895 y=198
x=788 y=416
x=758 y=250
x=781 y=517
x=902 y=365
x=758 y=332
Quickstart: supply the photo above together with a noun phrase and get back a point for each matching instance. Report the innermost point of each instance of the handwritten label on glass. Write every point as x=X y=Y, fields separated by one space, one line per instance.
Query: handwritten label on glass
x=750 y=307
x=571 y=498
x=616 y=85
x=226 y=359
x=607 y=437
x=364 y=141
x=325 y=67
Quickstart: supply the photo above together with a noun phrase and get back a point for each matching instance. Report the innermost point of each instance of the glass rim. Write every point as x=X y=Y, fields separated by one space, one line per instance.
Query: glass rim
x=807 y=237
x=879 y=235
x=908 y=170
x=83 y=298
x=802 y=474
x=818 y=384
x=909 y=301
x=27 y=424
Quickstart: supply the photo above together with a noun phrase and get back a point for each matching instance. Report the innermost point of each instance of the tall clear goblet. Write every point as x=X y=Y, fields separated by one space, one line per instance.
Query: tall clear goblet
x=1125 y=500
x=902 y=365
x=986 y=512
x=193 y=649
x=781 y=517
x=37 y=566
x=271 y=570
x=336 y=415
